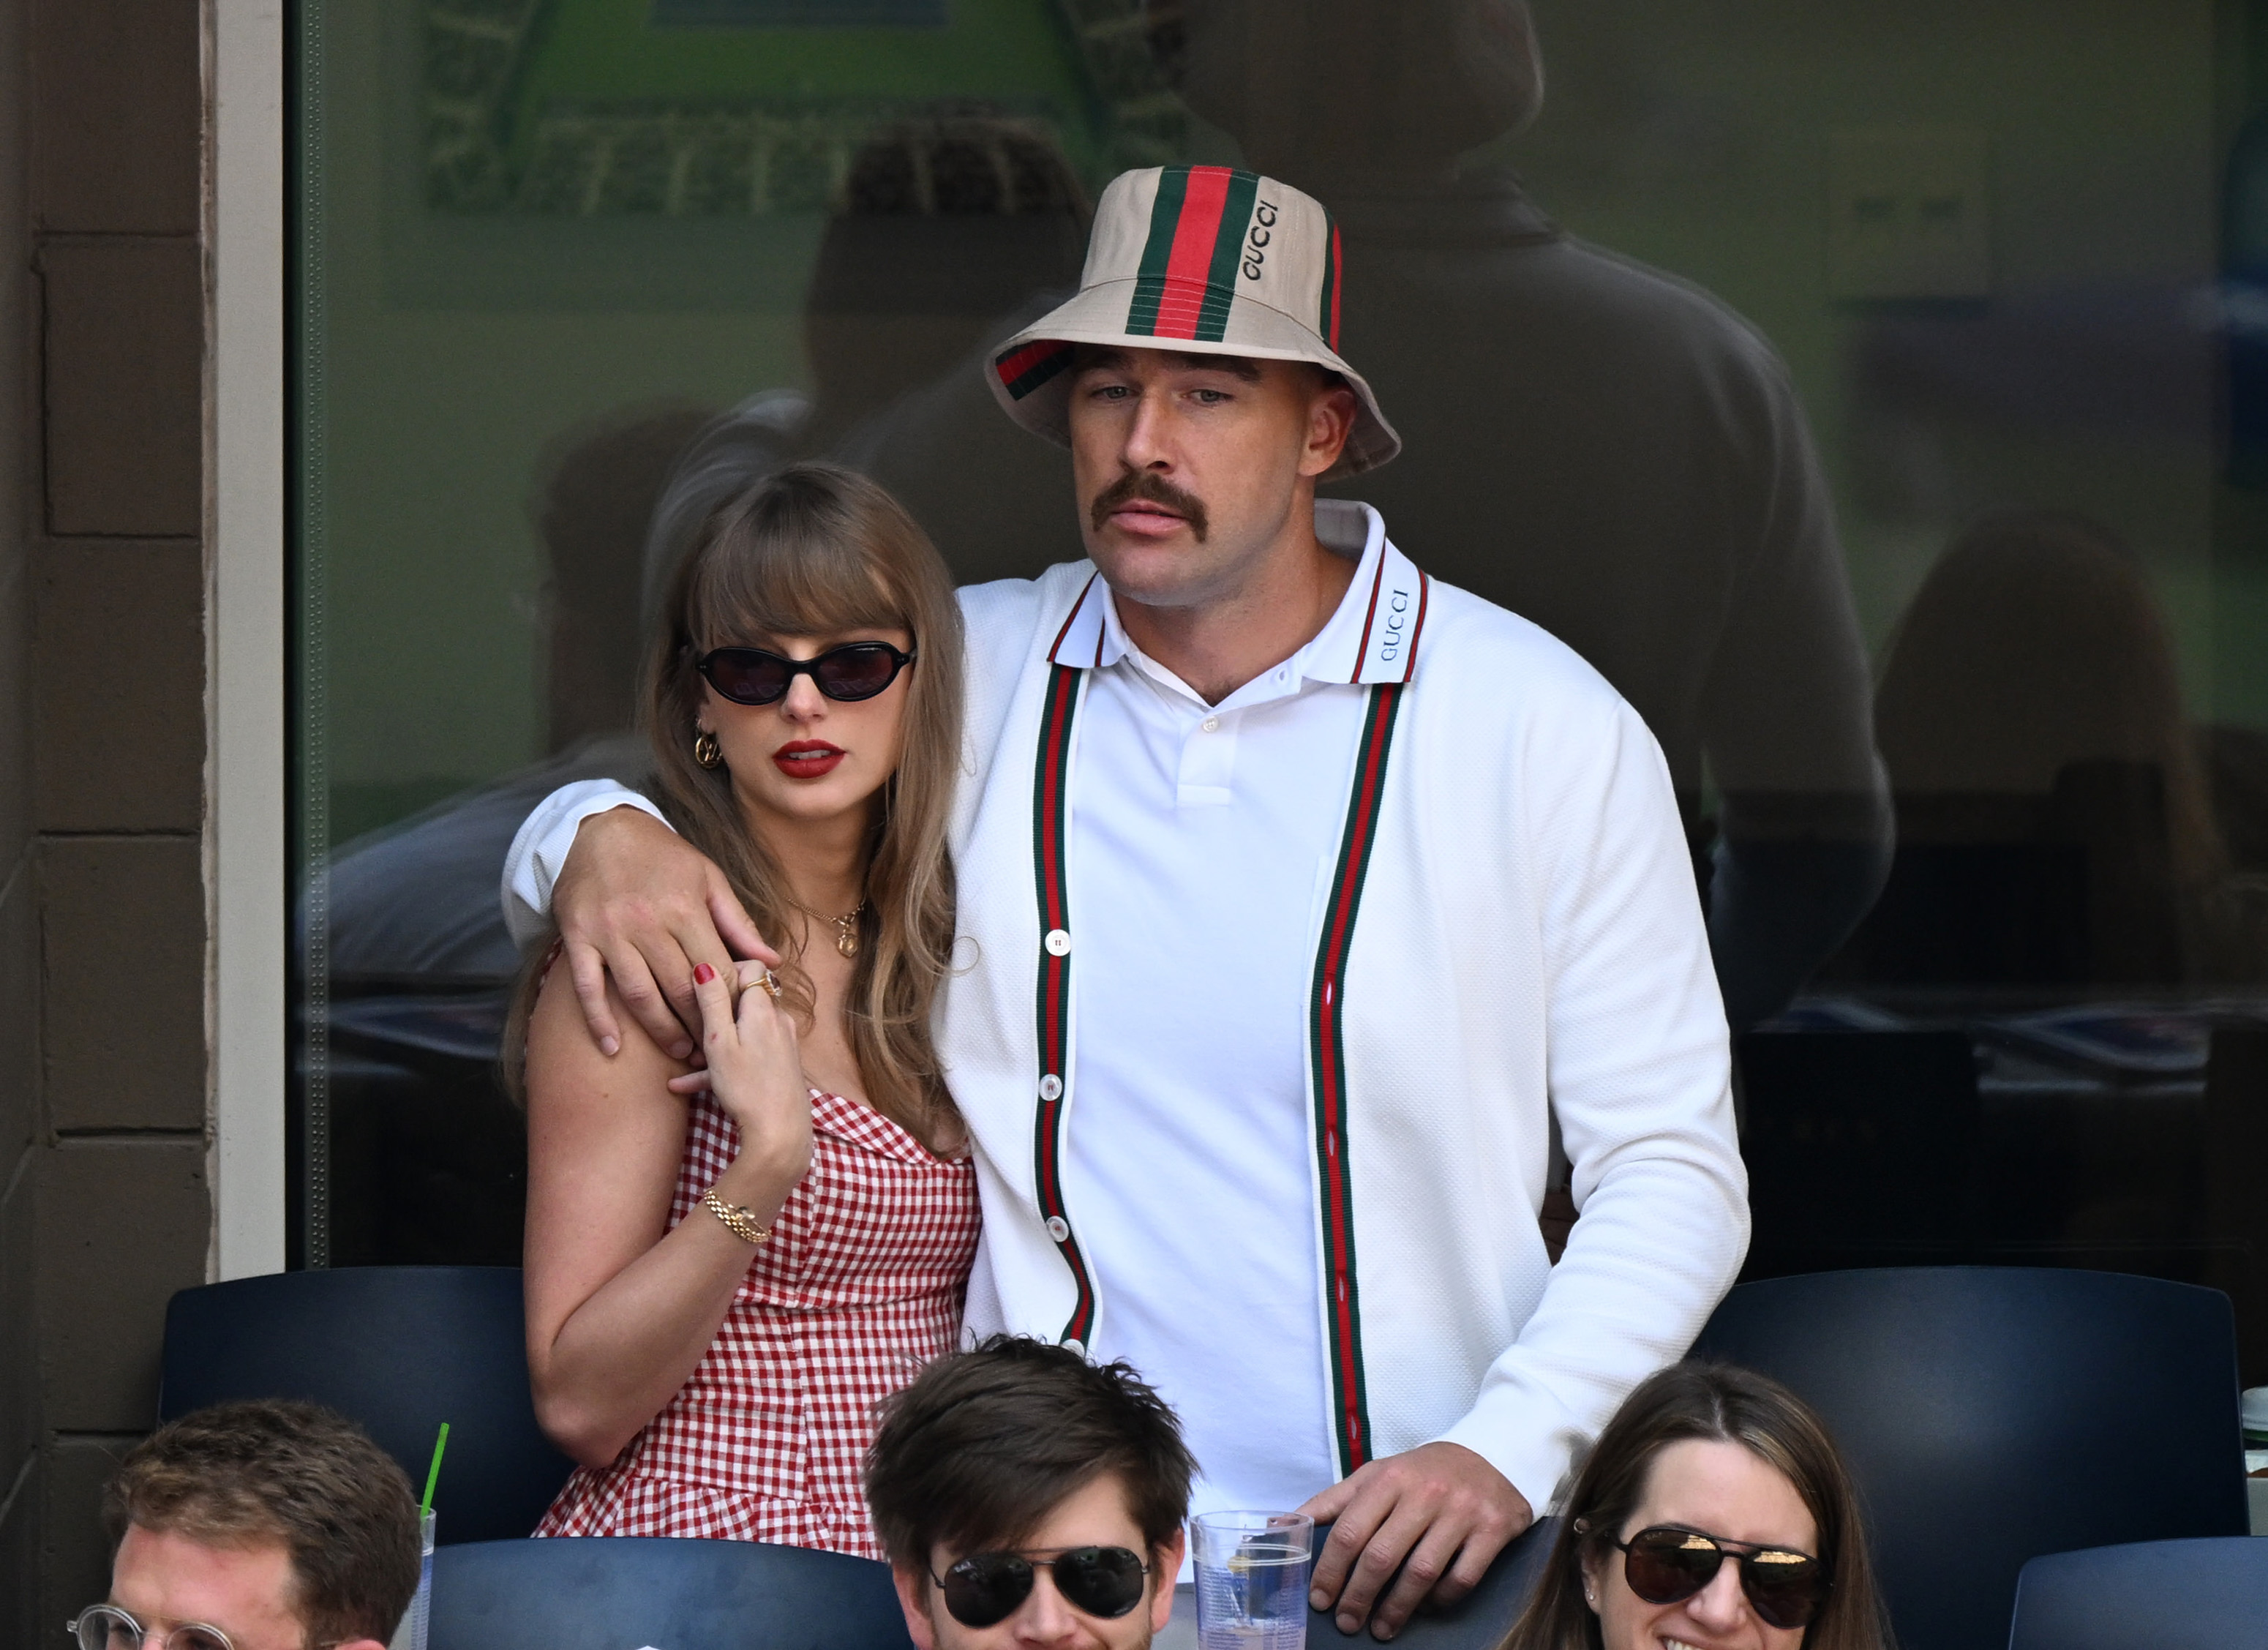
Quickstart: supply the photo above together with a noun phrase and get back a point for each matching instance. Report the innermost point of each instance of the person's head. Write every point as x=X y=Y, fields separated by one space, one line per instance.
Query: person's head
x=2034 y=646
x=1197 y=381
x=1189 y=467
x=804 y=675
x=270 y=1525
x=1020 y=1451
x=1319 y=88
x=2034 y=642
x=601 y=484
x=1702 y=1462
x=942 y=225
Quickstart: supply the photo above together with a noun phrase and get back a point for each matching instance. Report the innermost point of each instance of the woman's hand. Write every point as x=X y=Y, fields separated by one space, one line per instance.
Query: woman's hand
x=621 y=1306
x=756 y=1076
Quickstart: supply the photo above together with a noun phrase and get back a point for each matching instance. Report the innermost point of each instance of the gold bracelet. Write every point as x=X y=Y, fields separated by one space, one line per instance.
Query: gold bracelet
x=738 y=1220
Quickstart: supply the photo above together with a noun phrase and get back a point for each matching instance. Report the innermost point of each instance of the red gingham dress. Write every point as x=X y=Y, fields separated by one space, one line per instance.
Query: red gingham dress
x=861 y=1284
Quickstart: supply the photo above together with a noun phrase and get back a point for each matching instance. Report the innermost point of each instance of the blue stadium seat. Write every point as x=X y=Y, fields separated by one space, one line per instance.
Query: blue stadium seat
x=400 y=1349
x=625 y=1591
x=1993 y=1414
x=2148 y=1595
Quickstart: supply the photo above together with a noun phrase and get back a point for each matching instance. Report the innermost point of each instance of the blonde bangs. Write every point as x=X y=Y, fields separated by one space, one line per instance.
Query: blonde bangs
x=762 y=578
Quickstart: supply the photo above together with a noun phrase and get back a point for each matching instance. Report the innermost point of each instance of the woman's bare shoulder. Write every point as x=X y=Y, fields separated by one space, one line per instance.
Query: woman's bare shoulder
x=568 y=1072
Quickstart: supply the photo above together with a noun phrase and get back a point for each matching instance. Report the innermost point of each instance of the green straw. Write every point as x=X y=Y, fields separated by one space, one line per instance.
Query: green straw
x=434 y=1471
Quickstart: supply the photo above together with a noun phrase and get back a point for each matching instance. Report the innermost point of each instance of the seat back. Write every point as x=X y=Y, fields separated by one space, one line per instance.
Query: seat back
x=624 y=1591
x=401 y=1349
x=1991 y=1414
x=2150 y=1596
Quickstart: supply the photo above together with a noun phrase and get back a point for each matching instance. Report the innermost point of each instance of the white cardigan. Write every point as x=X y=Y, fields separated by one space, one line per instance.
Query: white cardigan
x=1521 y=941
x=1528 y=939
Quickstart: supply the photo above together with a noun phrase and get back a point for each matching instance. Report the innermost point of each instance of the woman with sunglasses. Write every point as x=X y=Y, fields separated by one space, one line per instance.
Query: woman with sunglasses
x=1712 y=1513
x=728 y=1267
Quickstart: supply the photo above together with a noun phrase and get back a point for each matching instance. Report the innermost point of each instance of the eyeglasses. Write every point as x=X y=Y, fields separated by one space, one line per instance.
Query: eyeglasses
x=988 y=1587
x=855 y=671
x=107 y=1627
x=1667 y=1565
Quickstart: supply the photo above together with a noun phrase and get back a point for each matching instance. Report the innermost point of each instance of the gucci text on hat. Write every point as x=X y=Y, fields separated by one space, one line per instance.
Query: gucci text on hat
x=1203 y=259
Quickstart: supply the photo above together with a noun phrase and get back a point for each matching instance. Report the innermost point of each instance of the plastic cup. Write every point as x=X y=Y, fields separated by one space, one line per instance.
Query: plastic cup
x=411 y=1635
x=1252 y=1572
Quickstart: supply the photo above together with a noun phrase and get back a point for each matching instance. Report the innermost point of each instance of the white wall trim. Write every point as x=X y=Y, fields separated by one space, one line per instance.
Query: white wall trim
x=244 y=821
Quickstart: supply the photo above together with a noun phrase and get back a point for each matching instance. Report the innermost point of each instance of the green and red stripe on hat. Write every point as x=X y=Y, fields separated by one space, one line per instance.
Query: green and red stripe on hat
x=1205 y=260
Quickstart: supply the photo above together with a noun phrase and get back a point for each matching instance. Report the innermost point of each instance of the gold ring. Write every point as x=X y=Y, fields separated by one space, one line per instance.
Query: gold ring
x=770 y=983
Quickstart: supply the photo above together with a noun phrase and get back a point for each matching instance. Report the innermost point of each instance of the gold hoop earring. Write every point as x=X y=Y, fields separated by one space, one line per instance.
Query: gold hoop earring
x=706 y=750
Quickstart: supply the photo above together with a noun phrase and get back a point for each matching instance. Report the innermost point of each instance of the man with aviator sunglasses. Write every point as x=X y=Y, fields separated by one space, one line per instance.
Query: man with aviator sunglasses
x=1028 y=1496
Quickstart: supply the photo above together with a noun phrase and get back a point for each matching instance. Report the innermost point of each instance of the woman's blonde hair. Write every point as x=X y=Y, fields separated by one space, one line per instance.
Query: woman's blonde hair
x=1717 y=1402
x=815 y=549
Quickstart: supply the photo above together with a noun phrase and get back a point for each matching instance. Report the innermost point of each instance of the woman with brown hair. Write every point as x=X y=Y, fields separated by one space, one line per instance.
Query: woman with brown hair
x=722 y=1283
x=2055 y=823
x=1712 y=1513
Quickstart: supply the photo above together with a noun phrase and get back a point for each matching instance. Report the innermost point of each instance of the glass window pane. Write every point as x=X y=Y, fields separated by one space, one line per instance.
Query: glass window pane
x=1880 y=405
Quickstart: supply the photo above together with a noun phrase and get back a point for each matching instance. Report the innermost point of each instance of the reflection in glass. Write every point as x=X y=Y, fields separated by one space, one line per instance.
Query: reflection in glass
x=1683 y=378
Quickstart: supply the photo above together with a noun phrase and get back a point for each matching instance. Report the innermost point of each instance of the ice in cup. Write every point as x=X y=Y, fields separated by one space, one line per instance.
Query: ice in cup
x=1252 y=1572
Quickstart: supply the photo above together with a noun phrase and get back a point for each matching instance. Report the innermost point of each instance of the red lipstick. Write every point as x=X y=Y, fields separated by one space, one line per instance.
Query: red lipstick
x=807 y=758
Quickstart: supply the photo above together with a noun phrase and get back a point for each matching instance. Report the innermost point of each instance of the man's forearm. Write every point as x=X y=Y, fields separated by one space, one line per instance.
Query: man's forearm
x=545 y=839
x=1660 y=1242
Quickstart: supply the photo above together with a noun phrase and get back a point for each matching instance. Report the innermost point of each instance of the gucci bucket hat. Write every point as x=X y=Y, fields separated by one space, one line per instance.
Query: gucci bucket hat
x=1200 y=260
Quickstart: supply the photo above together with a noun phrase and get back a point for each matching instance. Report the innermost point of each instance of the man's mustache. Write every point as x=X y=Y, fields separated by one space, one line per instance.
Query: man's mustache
x=1151 y=488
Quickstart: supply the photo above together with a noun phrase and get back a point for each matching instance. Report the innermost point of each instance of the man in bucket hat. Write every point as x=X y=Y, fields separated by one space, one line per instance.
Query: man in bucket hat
x=1305 y=897
x=1210 y=262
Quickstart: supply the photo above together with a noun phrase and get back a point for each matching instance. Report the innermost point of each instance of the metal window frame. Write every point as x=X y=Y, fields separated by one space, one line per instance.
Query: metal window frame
x=244 y=843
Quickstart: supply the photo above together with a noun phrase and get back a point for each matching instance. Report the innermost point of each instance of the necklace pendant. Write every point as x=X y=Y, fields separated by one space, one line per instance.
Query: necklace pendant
x=846 y=926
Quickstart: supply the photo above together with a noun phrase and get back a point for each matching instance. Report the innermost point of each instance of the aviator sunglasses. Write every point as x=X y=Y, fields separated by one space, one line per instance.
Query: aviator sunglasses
x=855 y=671
x=987 y=1588
x=1667 y=1565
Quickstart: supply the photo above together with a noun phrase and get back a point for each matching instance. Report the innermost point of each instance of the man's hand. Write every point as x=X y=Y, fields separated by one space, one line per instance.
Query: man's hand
x=1439 y=1513
x=637 y=901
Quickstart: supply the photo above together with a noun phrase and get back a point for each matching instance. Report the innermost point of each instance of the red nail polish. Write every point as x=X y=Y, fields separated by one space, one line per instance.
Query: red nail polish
x=703 y=973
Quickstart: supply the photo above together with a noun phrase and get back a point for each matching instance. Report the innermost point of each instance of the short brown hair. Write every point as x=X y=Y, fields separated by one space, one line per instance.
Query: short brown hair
x=1724 y=1403
x=239 y=1474
x=982 y=1446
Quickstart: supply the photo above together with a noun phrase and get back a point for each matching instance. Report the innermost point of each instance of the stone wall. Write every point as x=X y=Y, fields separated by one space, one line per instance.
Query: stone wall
x=103 y=1106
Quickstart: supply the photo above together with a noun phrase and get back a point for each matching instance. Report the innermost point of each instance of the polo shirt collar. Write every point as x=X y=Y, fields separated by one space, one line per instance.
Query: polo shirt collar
x=1370 y=638
x=1373 y=636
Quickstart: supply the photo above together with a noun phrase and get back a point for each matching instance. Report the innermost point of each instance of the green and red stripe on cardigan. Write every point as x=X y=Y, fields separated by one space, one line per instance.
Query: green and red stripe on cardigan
x=1350 y=1397
x=1050 y=808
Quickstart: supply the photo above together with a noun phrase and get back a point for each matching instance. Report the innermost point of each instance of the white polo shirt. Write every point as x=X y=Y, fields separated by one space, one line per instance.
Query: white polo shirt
x=1202 y=838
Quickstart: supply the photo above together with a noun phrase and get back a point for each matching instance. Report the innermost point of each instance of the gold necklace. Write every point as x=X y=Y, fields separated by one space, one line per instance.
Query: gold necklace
x=846 y=926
